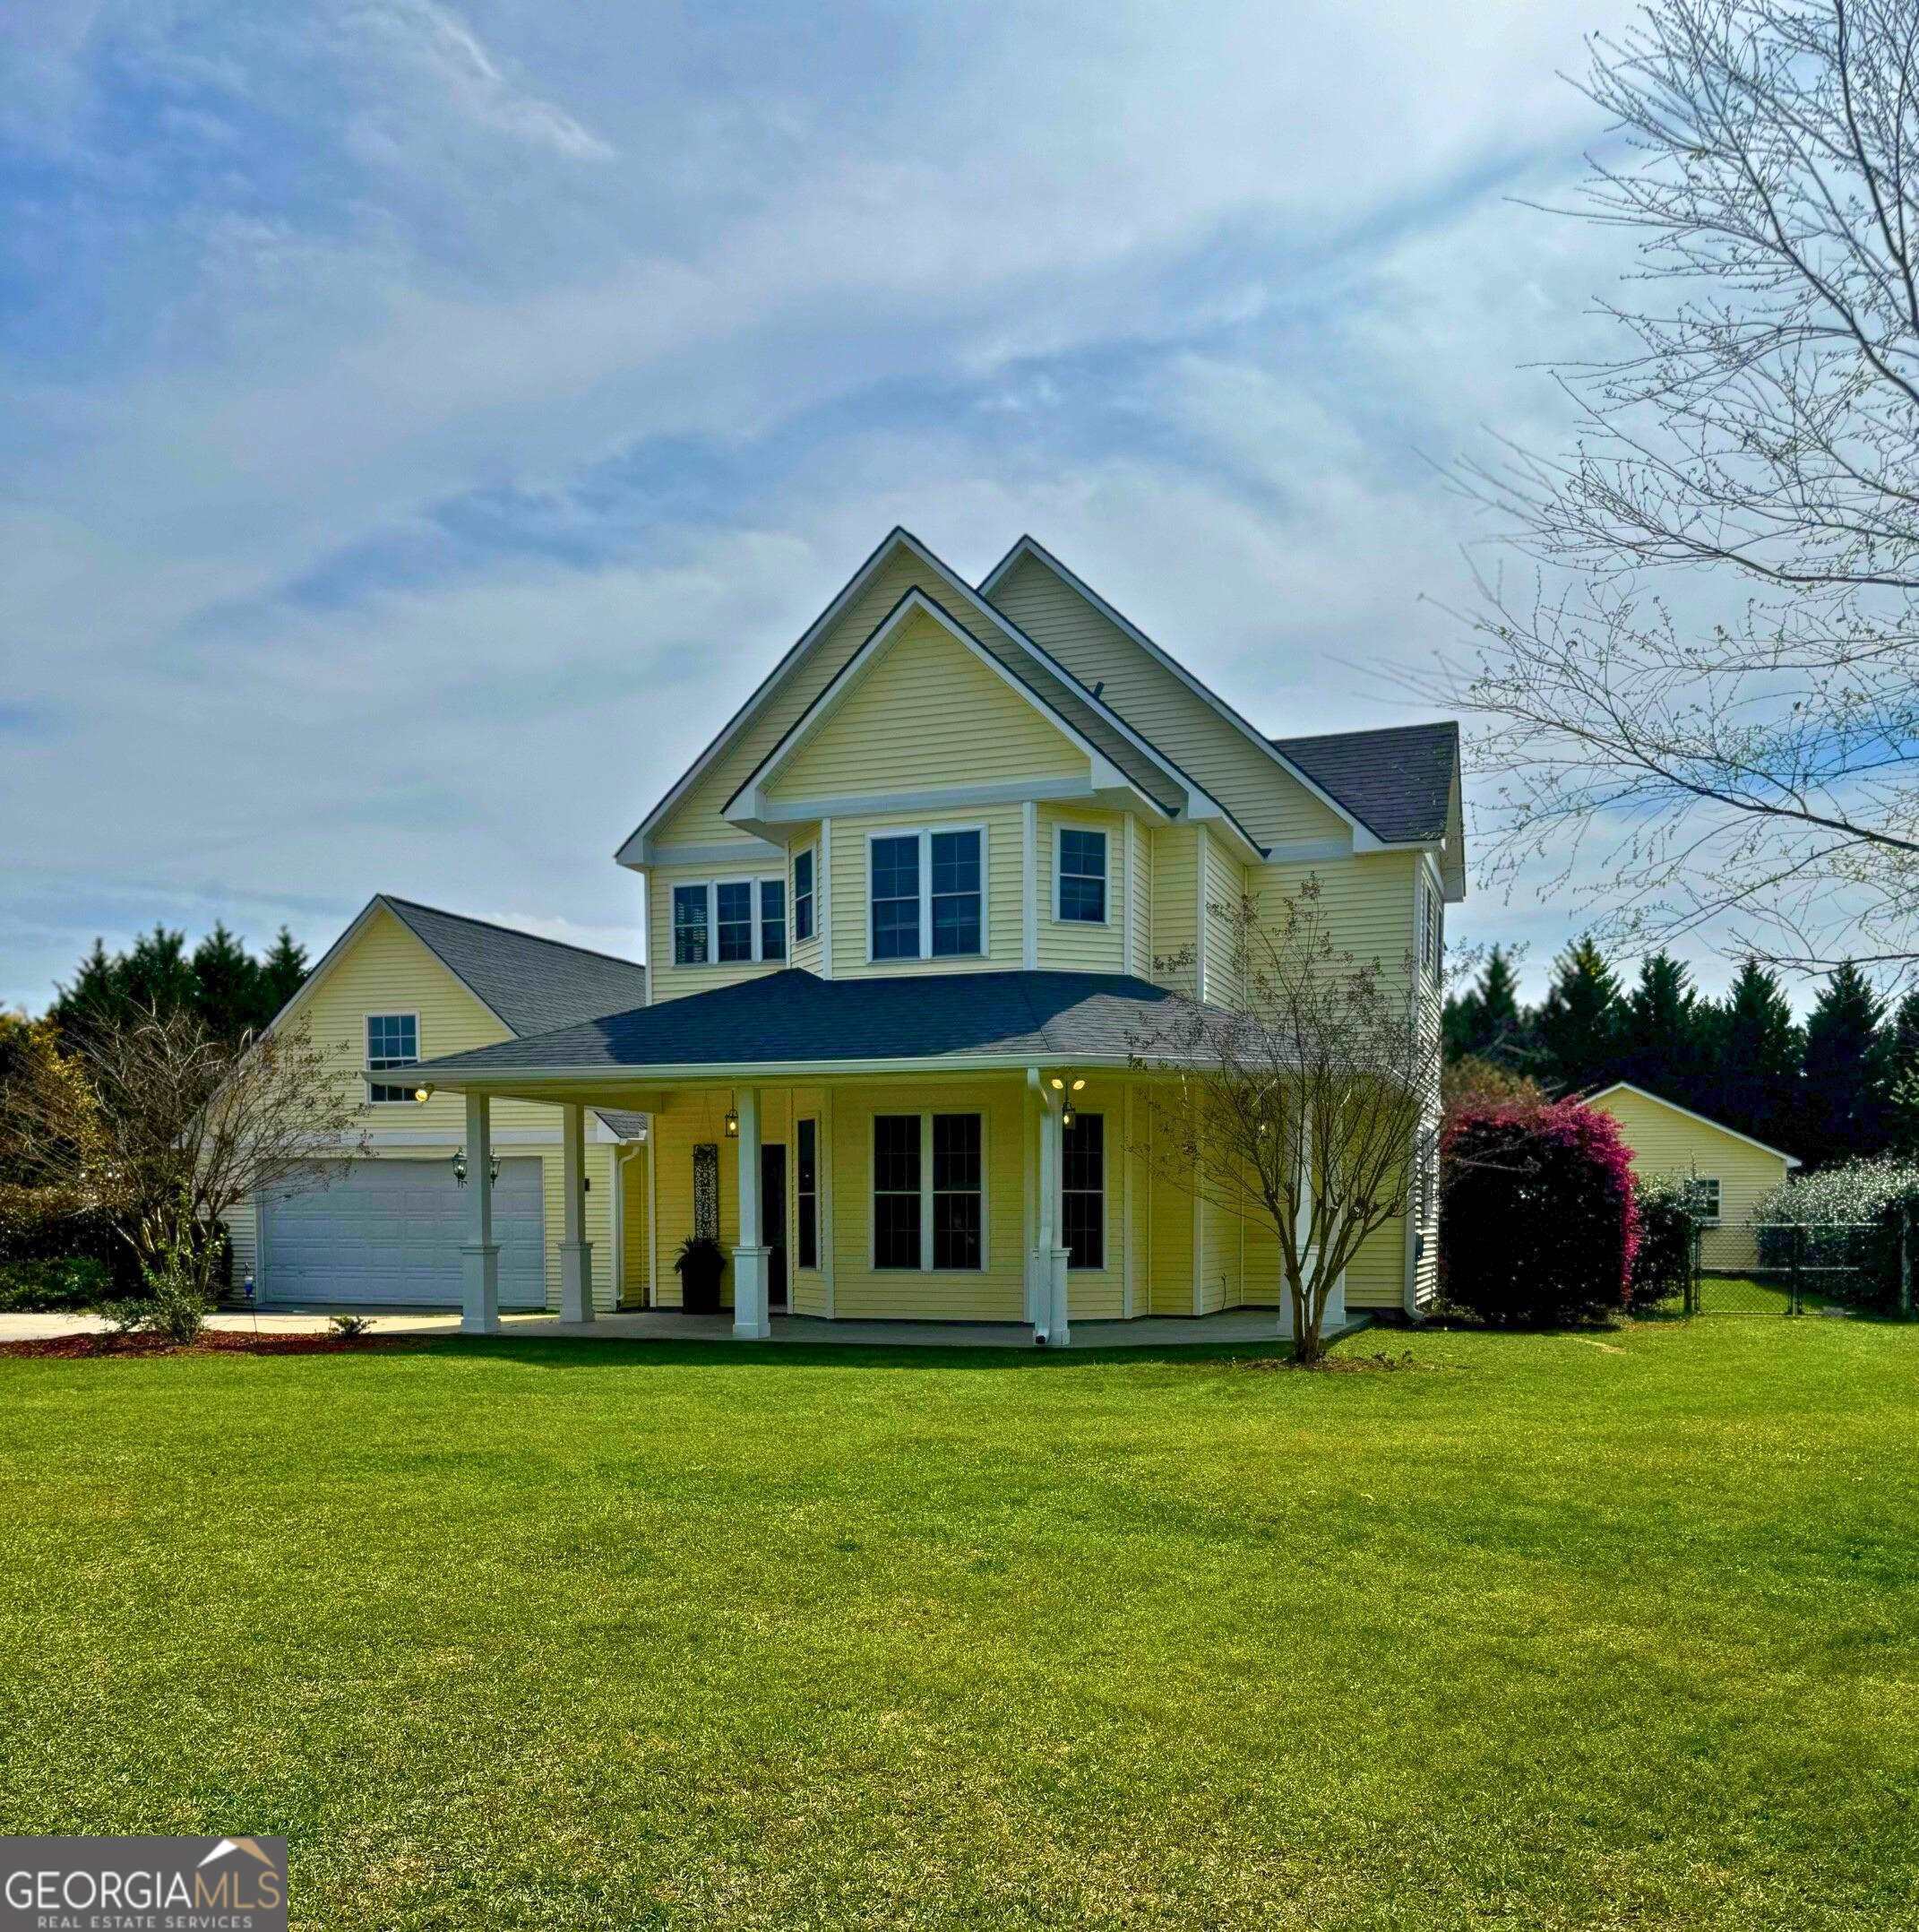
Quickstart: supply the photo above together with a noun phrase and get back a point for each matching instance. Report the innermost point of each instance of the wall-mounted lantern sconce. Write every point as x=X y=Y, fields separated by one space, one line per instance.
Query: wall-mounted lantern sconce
x=459 y=1166
x=423 y=1094
x=733 y=1124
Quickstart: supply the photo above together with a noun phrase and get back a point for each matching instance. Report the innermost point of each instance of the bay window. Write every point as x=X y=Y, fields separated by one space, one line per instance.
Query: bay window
x=1080 y=875
x=1083 y=1191
x=730 y=922
x=803 y=900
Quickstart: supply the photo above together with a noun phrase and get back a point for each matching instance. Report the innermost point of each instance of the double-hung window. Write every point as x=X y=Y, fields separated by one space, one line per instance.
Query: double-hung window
x=393 y=1039
x=1083 y=1191
x=929 y=1175
x=1705 y=1198
x=806 y=1192
x=803 y=899
x=731 y=922
x=1080 y=873
x=928 y=893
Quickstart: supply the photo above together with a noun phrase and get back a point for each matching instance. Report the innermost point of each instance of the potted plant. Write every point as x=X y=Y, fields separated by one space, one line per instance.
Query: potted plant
x=700 y=1264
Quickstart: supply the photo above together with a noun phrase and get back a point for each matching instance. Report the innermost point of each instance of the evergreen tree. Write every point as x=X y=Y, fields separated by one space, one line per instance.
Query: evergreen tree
x=226 y=984
x=1662 y=1032
x=282 y=974
x=1752 y=1078
x=156 y=975
x=1847 y=1066
x=1902 y=1072
x=96 y=994
x=1578 y=1024
x=1487 y=1023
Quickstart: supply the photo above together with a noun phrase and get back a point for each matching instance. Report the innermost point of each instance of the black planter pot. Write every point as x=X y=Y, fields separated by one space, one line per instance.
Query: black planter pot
x=699 y=1285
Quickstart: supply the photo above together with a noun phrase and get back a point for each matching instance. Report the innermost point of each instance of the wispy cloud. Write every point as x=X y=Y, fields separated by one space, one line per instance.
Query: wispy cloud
x=401 y=395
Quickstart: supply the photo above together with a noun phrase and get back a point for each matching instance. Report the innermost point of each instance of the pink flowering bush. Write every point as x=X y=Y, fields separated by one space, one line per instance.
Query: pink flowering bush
x=1540 y=1221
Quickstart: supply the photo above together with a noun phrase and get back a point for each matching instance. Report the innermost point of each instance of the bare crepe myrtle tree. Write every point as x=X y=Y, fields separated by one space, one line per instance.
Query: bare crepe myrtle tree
x=1296 y=1103
x=1752 y=449
x=168 y=1128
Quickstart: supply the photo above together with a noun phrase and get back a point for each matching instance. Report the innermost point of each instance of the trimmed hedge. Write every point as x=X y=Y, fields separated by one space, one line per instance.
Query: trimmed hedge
x=1540 y=1220
x=57 y=1283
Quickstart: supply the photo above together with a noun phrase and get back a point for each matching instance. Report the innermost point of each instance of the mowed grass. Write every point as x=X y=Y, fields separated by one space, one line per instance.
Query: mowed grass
x=1547 y=1631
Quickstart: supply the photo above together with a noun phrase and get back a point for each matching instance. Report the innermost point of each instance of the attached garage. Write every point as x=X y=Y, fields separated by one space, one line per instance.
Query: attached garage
x=388 y=1234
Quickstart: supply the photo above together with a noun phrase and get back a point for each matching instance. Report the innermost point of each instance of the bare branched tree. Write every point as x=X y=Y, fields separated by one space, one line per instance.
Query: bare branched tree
x=1299 y=1106
x=167 y=1129
x=1759 y=434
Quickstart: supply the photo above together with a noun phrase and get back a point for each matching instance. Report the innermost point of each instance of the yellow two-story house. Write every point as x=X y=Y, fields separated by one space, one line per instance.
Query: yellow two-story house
x=912 y=894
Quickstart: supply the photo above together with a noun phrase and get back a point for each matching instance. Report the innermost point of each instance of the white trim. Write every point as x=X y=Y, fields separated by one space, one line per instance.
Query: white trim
x=1199 y=1240
x=723 y=1073
x=826 y=899
x=746 y=851
x=829 y=1227
x=1030 y=886
x=1129 y=943
x=383 y=1076
x=980 y=1114
x=1718 y=1127
x=952 y=797
x=1129 y=1260
x=749 y=803
x=1199 y=916
x=1028 y=547
x=1105 y=834
x=925 y=834
x=652 y=1217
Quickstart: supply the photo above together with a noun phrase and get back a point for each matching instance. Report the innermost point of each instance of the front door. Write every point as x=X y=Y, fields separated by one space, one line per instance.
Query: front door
x=773 y=1220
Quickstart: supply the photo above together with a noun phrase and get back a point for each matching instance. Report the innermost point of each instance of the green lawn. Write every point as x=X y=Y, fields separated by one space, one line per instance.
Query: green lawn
x=1606 y=1631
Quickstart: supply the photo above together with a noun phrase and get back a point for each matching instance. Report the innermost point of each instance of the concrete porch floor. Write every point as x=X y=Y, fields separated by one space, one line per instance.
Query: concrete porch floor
x=1158 y=1332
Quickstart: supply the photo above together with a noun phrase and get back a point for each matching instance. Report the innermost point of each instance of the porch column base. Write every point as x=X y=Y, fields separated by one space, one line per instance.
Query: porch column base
x=576 y=1280
x=1047 y=1267
x=479 y=1288
x=1333 y=1319
x=751 y=1321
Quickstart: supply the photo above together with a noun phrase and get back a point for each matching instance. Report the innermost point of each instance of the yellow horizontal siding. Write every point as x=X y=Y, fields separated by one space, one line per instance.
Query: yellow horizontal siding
x=1175 y=904
x=1069 y=945
x=928 y=713
x=1664 y=1142
x=1366 y=904
x=1226 y=890
x=1272 y=805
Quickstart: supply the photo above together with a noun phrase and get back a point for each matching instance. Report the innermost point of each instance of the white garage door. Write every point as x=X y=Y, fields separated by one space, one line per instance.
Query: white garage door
x=389 y=1232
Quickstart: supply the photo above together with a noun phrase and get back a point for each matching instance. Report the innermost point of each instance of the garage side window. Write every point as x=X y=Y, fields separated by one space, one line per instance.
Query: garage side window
x=393 y=1039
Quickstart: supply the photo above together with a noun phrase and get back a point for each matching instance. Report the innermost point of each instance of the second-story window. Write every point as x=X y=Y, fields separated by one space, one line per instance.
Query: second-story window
x=1081 y=873
x=928 y=898
x=689 y=925
x=734 y=922
x=772 y=918
x=803 y=897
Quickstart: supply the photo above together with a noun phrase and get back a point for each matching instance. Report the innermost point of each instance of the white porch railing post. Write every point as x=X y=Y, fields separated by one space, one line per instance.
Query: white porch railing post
x=480 y=1255
x=750 y=1321
x=576 y=1252
x=1047 y=1264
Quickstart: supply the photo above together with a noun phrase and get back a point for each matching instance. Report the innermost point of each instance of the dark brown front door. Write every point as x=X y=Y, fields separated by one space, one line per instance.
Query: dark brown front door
x=773 y=1220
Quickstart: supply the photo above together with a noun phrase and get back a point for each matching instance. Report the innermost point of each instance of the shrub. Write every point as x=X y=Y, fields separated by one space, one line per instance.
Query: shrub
x=349 y=1327
x=66 y=1281
x=1539 y=1224
x=1863 y=1206
x=1663 y=1260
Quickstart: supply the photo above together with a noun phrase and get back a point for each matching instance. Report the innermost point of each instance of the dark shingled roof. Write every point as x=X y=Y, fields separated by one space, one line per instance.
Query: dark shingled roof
x=1397 y=781
x=533 y=984
x=795 y=1016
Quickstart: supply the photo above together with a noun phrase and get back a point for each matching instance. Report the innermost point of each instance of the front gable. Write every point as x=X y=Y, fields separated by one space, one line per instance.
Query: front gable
x=691 y=823
x=920 y=706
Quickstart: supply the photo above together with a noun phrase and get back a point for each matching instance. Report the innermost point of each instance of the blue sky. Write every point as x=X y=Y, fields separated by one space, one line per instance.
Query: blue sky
x=403 y=396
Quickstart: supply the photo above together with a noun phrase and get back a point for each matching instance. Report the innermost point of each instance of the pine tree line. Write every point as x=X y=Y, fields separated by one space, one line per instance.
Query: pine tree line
x=232 y=991
x=1844 y=1083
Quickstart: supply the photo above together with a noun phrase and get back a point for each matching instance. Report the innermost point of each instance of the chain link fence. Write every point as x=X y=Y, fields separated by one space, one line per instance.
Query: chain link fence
x=1824 y=1268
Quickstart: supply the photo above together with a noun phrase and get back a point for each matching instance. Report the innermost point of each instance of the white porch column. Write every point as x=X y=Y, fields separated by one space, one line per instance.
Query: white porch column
x=1048 y=1262
x=479 y=1254
x=750 y=1319
x=576 y=1252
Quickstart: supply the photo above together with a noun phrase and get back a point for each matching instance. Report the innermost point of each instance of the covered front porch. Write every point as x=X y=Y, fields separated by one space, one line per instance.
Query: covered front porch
x=977 y=1150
